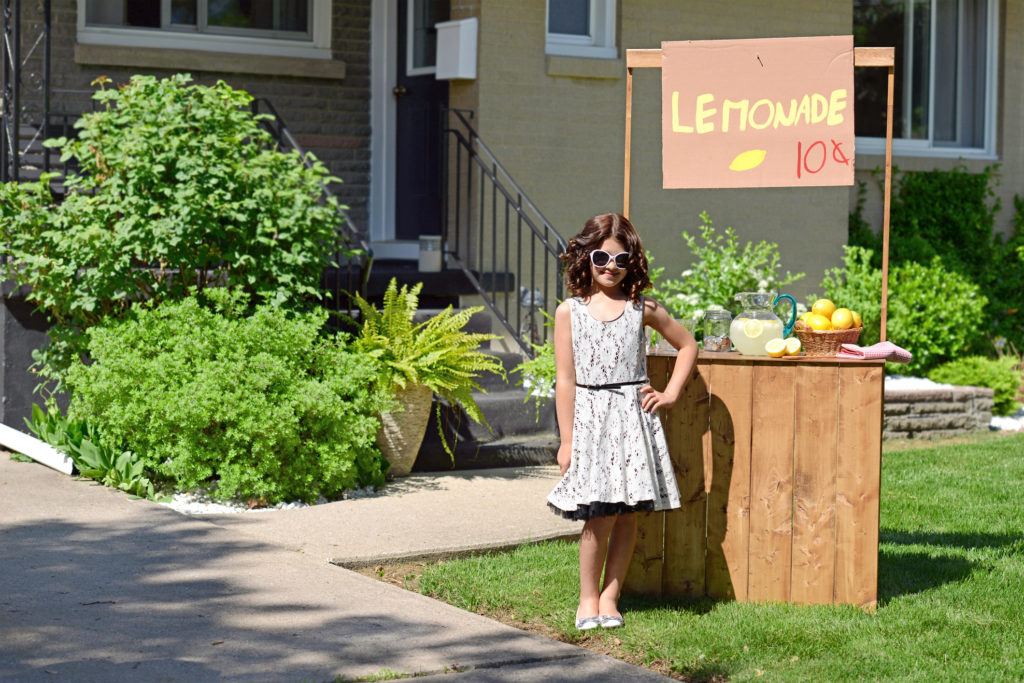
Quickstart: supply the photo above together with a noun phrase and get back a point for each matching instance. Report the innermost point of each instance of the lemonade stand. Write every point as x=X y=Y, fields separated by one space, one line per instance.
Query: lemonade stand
x=777 y=458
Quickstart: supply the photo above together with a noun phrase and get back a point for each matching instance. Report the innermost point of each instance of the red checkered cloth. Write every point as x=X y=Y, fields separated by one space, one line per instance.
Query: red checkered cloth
x=881 y=351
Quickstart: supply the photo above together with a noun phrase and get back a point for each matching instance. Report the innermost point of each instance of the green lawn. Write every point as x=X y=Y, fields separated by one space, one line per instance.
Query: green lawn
x=951 y=584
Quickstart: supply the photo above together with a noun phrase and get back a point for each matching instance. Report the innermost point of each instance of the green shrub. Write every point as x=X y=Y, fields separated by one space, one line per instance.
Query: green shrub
x=934 y=313
x=178 y=187
x=720 y=270
x=1002 y=375
x=260 y=406
x=951 y=215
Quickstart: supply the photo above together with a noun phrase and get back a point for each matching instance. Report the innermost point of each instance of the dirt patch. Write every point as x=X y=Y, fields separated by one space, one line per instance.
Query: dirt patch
x=407 y=576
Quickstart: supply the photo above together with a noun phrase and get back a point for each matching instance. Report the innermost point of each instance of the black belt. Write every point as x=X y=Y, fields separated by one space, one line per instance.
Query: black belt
x=614 y=385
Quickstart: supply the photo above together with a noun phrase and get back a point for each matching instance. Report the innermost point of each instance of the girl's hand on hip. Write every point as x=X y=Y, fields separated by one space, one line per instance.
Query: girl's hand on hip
x=564 y=457
x=651 y=399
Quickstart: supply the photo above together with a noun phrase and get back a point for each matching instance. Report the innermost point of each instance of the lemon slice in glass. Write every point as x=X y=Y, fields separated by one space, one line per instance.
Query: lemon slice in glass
x=776 y=348
x=753 y=328
x=792 y=346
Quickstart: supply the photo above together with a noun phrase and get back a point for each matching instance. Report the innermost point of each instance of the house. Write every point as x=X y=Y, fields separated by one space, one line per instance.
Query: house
x=522 y=135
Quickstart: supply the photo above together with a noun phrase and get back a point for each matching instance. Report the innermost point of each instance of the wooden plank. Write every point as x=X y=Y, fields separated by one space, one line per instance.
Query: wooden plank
x=646 y=567
x=647 y=58
x=685 y=528
x=729 y=494
x=857 y=485
x=874 y=56
x=771 y=483
x=814 y=483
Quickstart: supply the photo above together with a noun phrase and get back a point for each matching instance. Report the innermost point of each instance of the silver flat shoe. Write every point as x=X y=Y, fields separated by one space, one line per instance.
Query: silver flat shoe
x=588 y=623
x=611 y=621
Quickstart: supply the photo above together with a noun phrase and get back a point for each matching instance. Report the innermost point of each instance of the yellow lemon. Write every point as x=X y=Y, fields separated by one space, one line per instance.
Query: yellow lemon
x=753 y=328
x=745 y=161
x=842 y=319
x=806 y=315
x=792 y=346
x=819 y=322
x=776 y=348
x=823 y=307
x=857 y=322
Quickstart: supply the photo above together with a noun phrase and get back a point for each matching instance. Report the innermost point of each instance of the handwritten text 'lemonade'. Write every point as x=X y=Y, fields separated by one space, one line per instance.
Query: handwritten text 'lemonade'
x=733 y=115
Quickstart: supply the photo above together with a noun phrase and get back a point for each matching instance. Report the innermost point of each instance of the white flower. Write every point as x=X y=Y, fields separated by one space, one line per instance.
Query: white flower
x=762 y=285
x=687 y=273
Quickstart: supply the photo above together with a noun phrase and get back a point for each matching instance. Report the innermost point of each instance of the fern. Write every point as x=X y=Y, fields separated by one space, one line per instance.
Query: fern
x=436 y=353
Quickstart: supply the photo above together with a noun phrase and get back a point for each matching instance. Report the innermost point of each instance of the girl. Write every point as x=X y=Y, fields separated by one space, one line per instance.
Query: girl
x=613 y=455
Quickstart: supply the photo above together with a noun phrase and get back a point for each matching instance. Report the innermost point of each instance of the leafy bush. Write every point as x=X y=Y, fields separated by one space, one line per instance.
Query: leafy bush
x=721 y=269
x=1002 y=375
x=260 y=406
x=178 y=187
x=932 y=312
x=951 y=215
x=78 y=440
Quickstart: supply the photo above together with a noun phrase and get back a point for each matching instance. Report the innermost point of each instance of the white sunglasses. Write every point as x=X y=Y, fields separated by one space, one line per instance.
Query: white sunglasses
x=600 y=258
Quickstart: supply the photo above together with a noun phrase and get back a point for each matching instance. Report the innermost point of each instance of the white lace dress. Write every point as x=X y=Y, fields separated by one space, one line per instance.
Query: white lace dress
x=620 y=461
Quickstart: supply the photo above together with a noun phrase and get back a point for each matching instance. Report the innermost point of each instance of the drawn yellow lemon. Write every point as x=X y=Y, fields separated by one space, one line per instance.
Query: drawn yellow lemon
x=745 y=161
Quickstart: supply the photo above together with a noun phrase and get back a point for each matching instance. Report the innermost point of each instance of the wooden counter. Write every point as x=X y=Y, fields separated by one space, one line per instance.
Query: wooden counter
x=778 y=463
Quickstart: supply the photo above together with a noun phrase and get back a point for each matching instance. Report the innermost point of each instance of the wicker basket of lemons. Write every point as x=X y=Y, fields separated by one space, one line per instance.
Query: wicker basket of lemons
x=825 y=328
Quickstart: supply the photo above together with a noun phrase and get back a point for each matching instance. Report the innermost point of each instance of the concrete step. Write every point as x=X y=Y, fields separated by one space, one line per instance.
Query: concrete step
x=492 y=383
x=508 y=414
x=513 y=451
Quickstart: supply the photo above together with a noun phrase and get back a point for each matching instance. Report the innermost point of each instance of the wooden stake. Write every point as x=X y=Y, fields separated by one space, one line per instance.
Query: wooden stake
x=629 y=134
x=888 y=194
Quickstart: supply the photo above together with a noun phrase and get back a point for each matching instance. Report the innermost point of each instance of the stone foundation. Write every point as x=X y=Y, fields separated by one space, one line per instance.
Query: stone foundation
x=935 y=413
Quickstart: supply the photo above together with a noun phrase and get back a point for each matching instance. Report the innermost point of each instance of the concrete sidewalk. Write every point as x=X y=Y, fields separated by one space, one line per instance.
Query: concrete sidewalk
x=97 y=587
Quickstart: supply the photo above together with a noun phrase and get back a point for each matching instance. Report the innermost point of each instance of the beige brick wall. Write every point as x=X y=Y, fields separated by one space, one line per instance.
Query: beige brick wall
x=558 y=125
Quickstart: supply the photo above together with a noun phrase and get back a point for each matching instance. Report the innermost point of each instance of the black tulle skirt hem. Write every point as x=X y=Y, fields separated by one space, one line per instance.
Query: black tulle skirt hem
x=585 y=511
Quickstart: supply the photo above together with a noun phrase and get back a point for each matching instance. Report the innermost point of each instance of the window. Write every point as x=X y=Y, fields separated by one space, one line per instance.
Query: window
x=421 y=36
x=298 y=28
x=944 y=99
x=581 y=28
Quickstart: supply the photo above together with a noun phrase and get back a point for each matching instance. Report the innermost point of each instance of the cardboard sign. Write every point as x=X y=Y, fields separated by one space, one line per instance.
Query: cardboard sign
x=773 y=112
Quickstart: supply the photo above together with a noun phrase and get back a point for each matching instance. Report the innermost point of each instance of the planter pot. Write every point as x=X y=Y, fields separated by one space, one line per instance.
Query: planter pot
x=401 y=433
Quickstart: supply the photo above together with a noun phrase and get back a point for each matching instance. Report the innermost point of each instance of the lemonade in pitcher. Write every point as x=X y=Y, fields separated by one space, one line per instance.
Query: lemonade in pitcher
x=757 y=322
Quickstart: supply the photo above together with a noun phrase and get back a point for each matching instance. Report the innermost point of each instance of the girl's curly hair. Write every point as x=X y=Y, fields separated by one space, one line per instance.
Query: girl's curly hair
x=578 y=279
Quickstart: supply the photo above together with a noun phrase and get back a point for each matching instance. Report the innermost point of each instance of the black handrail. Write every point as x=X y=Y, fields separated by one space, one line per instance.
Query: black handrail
x=362 y=261
x=498 y=237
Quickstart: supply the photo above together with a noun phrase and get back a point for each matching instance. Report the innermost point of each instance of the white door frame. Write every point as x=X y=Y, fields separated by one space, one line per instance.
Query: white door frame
x=383 y=161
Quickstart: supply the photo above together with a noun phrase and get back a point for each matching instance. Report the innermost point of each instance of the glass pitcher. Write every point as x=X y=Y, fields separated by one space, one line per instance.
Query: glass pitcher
x=757 y=322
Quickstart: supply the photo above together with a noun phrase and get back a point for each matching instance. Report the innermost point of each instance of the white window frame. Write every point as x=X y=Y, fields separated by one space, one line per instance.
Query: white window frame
x=925 y=147
x=410 y=43
x=599 y=44
x=318 y=46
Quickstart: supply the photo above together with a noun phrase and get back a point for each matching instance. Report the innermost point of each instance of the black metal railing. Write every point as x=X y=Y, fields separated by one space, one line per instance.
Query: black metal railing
x=353 y=270
x=16 y=109
x=497 y=237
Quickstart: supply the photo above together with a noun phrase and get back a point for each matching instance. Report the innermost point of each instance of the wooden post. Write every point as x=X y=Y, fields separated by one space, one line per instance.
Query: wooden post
x=883 y=56
x=629 y=137
x=888 y=194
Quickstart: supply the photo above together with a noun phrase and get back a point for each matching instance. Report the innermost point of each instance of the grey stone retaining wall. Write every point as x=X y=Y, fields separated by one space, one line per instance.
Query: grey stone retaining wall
x=934 y=413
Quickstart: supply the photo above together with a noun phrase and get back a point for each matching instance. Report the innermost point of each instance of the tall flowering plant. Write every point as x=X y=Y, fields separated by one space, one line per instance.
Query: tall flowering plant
x=721 y=268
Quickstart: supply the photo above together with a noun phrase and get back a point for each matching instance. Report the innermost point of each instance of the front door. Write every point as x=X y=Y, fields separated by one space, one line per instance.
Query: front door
x=419 y=100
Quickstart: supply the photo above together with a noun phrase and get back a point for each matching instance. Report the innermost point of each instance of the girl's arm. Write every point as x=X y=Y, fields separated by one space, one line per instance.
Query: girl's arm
x=664 y=324
x=565 y=383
